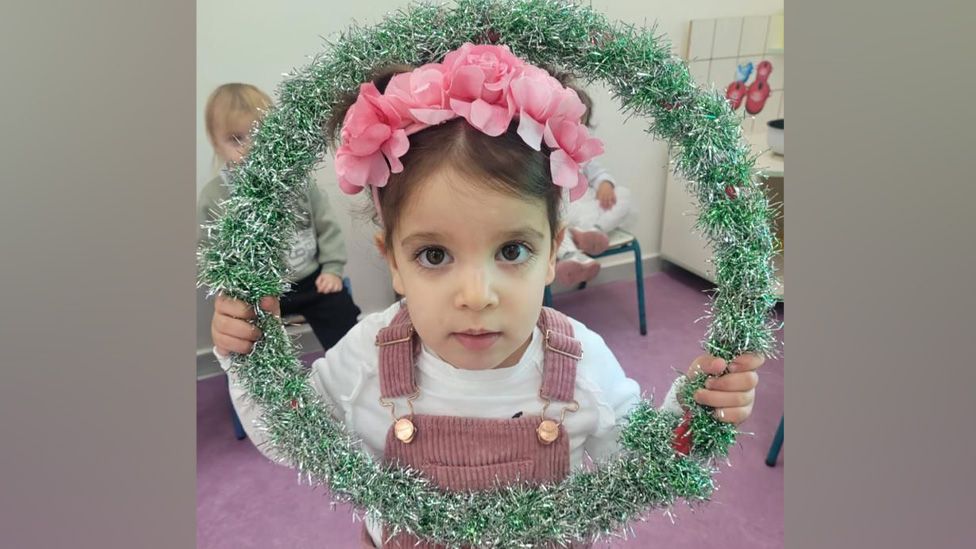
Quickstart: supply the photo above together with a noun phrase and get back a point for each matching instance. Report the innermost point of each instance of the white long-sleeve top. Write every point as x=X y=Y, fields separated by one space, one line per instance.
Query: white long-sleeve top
x=347 y=377
x=595 y=174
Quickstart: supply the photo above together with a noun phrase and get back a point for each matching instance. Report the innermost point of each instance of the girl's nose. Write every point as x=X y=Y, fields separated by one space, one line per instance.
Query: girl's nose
x=476 y=291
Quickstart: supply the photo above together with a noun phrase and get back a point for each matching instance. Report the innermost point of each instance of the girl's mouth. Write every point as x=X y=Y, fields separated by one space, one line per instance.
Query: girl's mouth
x=479 y=341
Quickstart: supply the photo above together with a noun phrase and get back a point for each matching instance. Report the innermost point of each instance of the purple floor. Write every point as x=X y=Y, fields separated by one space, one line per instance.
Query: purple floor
x=245 y=501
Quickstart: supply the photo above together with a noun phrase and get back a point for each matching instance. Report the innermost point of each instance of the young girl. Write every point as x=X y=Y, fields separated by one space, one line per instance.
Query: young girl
x=318 y=255
x=469 y=379
x=590 y=219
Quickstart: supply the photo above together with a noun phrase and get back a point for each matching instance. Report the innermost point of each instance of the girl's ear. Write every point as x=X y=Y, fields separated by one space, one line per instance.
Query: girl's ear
x=554 y=253
x=396 y=279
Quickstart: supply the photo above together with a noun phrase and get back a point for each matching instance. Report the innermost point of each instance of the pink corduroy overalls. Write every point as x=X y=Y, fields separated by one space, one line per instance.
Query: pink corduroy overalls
x=463 y=453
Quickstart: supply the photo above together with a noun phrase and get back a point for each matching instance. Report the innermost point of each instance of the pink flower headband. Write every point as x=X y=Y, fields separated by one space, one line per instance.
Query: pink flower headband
x=488 y=86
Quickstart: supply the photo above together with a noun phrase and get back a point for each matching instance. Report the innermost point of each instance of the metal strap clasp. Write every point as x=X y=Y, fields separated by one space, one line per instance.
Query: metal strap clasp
x=560 y=351
x=408 y=337
x=403 y=428
x=548 y=430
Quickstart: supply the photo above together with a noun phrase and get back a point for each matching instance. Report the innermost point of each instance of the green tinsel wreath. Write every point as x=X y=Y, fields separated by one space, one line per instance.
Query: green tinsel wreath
x=245 y=260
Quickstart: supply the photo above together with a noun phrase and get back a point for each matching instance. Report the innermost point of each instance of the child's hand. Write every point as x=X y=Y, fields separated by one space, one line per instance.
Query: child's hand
x=230 y=328
x=606 y=195
x=327 y=283
x=731 y=395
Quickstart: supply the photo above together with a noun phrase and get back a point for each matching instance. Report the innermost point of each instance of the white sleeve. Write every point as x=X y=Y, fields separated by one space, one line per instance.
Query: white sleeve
x=249 y=411
x=670 y=403
x=613 y=392
x=595 y=173
x=336 y=378
x=344 y=369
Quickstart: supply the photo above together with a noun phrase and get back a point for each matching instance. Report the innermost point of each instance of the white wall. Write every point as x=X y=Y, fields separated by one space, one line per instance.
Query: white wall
x=256 y=41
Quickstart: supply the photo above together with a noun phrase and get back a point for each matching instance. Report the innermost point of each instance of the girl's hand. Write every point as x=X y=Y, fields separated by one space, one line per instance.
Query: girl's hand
x=606 y=195
x=231 y=329
x=328 y=283
x=733 y=394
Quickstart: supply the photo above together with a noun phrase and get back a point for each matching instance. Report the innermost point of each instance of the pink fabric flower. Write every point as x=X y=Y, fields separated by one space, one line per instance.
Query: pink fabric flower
x=538 y=96
x=573 y=147
x=480 y=77
x=421 y=96
x=370 y=132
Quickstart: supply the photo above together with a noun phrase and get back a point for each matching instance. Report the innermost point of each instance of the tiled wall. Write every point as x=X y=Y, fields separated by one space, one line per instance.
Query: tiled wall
x=717 y=46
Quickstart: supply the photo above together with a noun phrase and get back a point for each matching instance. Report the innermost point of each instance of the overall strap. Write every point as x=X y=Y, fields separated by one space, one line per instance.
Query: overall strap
x=398 y=350
x=562 y=352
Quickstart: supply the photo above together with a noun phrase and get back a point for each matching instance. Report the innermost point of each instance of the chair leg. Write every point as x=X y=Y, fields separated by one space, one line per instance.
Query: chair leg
x=238 y=428
x=776 y=445
x=639 y=273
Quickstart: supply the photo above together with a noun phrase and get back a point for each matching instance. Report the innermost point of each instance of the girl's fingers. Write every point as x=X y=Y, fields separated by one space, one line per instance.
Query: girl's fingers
x=731 y=395
x=271 y=304
x=716 y=366
x=707 y=364
x=732 y=415
x=724 y=399
x=740 y=381
x=226 y=343
x=235 y=328
x=746 y=362
x=234 y=308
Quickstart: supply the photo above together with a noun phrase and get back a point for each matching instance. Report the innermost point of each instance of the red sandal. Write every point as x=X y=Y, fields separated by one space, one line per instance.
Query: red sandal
x=763 y=69
x=756 y=96
x=735 y=93
x=758 y=91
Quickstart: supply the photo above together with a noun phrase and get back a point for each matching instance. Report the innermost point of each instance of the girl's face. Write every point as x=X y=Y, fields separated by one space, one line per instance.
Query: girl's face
x=232 y=138
x=473 y=265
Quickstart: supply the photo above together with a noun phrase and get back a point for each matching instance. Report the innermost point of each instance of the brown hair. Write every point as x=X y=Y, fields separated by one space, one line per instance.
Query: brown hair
x=587 y=102
x=234 y=99
x=504 y=163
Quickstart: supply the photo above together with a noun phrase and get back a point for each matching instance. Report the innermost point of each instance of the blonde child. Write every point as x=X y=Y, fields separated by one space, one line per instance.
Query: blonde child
x=318 y=255
x=589 y=220
x=469 y=363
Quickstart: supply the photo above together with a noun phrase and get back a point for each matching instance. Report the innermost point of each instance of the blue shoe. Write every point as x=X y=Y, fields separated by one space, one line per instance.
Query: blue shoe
x=743 y=72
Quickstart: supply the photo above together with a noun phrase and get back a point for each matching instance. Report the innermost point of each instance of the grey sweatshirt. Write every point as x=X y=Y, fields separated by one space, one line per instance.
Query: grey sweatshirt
x=318 y=239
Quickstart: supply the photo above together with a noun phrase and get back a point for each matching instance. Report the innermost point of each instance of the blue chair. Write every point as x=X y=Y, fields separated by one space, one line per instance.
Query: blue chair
x=238 y=428
x=777 y=444
x=621 y=242
x=290 y=321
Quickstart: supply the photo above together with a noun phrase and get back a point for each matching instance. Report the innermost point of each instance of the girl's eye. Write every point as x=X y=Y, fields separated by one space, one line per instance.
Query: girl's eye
x=515 y=252
x=431 y=257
